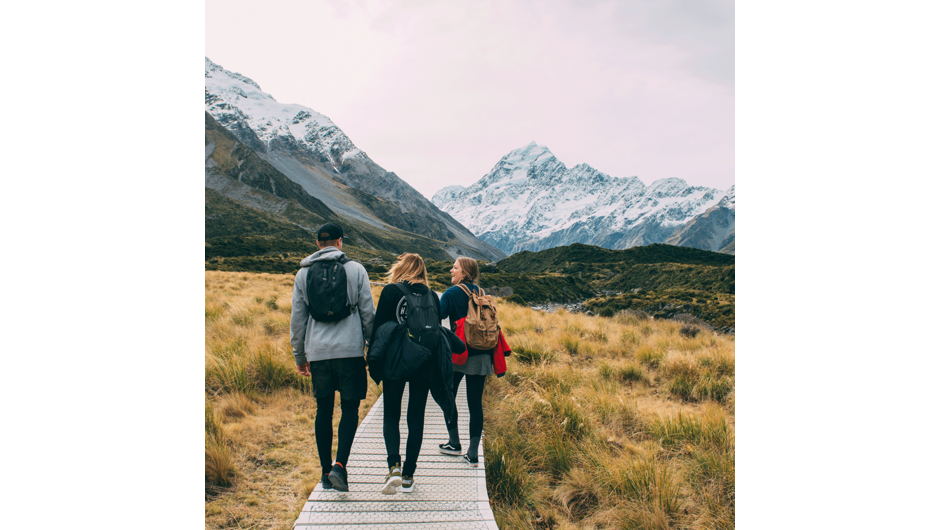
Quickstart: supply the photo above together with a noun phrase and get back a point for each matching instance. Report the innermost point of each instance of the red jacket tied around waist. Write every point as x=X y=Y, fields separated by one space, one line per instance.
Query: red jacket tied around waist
x=500 y=352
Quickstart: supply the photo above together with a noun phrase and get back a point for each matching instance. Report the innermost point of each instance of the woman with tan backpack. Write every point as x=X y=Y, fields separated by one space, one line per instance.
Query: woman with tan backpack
x=476 y=363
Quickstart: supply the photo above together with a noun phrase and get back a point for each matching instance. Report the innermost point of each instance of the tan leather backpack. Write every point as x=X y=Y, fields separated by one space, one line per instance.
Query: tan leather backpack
x=481 y=328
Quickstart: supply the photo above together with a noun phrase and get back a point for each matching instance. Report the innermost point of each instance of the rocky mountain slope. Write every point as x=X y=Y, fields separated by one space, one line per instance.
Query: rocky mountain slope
x=319 y=169
x=531 y=201
x=712 y=230
x=252 y=209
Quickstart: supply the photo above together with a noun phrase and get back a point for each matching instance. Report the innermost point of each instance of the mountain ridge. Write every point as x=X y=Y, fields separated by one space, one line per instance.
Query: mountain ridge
x=309 y=150
x=530 y=200
x=256 y=219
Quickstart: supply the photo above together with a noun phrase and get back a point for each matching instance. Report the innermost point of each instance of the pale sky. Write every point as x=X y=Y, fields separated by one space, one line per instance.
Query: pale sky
x=439 y=91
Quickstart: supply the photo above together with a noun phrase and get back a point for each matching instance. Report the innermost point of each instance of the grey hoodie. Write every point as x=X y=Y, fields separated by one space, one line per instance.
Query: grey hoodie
x=317 y=341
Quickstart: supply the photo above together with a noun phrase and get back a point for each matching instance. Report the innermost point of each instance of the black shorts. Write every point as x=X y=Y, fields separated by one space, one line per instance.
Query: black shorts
x=347 y=375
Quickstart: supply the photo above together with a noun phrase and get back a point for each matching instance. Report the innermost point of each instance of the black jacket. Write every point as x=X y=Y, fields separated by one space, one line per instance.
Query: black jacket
x=392 y=355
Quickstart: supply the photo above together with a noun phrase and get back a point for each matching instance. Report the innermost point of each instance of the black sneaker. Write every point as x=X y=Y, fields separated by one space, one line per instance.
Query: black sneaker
x=449 y=449
x=325 y=482
x=475 y=462
x=338 y=477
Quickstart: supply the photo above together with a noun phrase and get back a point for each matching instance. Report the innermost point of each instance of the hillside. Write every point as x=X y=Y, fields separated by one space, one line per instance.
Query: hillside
x=656 y=266
x=297 y=154
x=561 y=257
x=256 y=219
x=661 y=280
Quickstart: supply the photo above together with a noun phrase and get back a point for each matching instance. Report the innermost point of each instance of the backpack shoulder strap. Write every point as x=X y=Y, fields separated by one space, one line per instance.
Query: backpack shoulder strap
x=343 y=259
x=465 y=289
x=403 y=289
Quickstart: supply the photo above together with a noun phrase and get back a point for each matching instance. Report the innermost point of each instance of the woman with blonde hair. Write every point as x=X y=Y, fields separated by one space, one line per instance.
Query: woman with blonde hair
x=407 y=275
x=479 y=364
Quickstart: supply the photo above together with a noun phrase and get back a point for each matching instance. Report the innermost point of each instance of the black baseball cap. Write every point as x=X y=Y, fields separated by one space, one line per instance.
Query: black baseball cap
x=329 y=232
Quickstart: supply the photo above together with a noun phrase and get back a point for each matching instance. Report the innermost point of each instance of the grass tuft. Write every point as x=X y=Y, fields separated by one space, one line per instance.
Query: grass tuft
x=220 y=464
x=570 y=343
x=709 y=430
x=647 y=480
x=532 y=355
x=505 y=469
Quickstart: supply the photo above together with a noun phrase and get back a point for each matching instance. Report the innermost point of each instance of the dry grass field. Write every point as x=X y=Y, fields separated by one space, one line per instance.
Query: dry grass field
x=261 y=457
x=620 y=422
x=600 y=423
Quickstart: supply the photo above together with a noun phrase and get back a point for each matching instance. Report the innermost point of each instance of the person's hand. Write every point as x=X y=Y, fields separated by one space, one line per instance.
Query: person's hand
x=304 y=369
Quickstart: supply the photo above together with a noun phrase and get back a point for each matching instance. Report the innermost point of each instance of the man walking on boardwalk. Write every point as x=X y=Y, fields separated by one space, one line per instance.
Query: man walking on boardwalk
x=331 y=318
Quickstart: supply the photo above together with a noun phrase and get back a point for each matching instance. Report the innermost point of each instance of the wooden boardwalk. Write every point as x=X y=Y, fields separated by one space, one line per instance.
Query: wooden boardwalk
x=448 y=494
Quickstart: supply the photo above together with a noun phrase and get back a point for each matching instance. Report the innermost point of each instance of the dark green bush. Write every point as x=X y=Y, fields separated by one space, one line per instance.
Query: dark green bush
x=515 y=299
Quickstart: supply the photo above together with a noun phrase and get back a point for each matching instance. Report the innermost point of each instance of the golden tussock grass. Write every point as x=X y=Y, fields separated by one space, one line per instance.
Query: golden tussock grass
x=604 y=423
x=261 y=457
x=599 y=423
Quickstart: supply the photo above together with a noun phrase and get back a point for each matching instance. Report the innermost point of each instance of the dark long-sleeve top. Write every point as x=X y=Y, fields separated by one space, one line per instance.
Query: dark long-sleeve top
x=393 y=306
x=454 y=304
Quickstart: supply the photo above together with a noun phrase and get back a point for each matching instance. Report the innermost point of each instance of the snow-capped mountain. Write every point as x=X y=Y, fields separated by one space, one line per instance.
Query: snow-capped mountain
x=531 y=201
x=238 y=104
x=713 y=230
x=309 y=149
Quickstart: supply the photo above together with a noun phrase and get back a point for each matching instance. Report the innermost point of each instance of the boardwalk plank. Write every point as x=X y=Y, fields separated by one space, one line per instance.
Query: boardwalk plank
x=449 y=494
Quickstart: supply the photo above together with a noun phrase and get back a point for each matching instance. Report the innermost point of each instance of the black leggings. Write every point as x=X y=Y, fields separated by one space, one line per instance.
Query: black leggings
x=474 y=402
x=394 y=389
x=323 y=427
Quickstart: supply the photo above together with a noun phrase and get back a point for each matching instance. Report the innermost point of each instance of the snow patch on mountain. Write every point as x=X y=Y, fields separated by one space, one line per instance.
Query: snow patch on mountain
x=233 y=97
x=728 y=200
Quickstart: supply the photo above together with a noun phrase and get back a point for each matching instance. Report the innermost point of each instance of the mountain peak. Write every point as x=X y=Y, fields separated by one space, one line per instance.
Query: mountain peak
x=531 y=153
x=212 y=67
x=667 y=187
x=239 y=104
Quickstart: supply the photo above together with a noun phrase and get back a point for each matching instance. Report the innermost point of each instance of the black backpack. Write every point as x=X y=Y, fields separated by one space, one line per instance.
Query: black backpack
x=424 y=319
x=326 y=290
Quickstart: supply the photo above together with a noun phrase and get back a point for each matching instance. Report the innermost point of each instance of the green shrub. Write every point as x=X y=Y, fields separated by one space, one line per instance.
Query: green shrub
x=515 y=299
